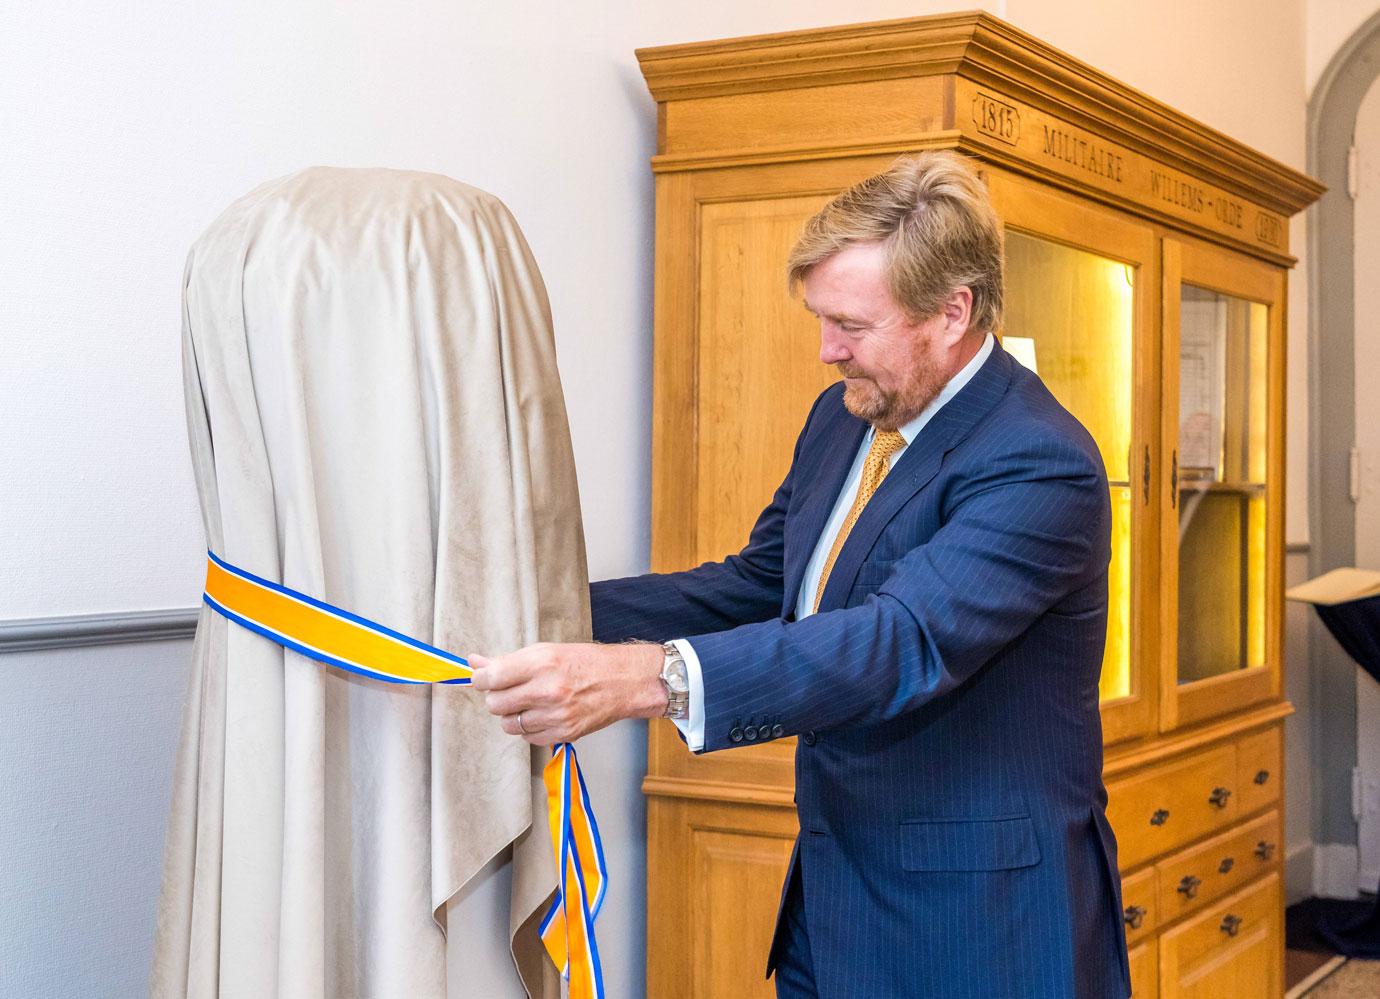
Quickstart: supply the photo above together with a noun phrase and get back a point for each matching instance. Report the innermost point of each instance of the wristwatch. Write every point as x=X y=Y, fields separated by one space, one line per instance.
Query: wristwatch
x=676 y=679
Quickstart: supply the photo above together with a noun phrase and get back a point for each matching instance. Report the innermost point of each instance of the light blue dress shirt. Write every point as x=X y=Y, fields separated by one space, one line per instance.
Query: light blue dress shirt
x=693 y=726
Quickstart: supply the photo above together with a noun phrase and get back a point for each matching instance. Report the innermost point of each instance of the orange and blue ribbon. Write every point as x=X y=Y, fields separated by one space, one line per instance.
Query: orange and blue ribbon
x=567 y=930
x=338 y=638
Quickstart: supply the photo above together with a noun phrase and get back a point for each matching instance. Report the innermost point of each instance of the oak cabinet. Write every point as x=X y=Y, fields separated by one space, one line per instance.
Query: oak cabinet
x=1230 y=949
x=1145 y=971
x=1147 y=258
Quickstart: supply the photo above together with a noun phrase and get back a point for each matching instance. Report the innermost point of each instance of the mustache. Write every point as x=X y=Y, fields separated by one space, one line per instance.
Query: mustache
x=848 y=370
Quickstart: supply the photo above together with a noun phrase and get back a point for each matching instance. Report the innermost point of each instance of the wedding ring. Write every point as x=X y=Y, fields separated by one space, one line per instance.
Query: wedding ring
x=521 y=727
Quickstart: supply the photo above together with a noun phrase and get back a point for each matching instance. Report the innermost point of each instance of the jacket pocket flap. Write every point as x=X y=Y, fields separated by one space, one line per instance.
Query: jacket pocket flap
x=969 y=844
x=875 y=573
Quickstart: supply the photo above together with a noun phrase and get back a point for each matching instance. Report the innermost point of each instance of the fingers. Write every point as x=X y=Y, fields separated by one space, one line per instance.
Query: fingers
x=502 y=672
x=531 y=692
x=533 y=720
x=512 y=700
x=481 y=668
x=537 y=728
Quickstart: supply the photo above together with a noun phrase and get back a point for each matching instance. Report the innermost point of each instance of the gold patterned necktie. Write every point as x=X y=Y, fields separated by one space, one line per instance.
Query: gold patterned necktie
x=885 y=443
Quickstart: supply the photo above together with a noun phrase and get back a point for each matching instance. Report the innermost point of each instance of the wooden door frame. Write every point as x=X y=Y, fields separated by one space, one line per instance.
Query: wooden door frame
x=1206 y=265
x=1034 y=209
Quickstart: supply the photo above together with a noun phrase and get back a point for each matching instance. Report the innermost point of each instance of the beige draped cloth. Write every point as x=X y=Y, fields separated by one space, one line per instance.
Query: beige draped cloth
x=376 y=419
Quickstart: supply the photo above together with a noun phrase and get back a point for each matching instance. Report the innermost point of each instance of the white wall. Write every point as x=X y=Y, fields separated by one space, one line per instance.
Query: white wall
x=1299 y=881
x=127 y=127
x=1330 y=24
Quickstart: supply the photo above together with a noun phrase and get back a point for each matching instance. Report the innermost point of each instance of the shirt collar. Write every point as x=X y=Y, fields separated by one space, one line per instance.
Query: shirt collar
x=911 y=429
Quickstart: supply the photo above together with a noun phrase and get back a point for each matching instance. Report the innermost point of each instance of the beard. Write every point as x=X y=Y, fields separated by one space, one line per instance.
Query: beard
x=866 y=400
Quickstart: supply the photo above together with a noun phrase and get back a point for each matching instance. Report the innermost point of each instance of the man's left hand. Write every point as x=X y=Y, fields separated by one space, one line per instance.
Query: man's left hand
x=550 y=693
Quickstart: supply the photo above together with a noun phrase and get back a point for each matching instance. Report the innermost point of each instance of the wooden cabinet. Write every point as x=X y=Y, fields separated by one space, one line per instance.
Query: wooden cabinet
x=1196 y=876
x=1081 y=287
x=1230 y=949
x=1146 y=266
x=1140 y=905
x=719 y=883
x=1223 y=398
x=1259 y=762
x=1145 y=970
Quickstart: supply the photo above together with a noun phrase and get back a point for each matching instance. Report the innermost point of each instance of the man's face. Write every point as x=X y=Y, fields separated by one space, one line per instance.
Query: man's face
x=892 y=366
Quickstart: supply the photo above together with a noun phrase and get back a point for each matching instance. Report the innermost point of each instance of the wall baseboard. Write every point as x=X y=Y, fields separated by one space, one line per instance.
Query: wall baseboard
x=1335 y=869
x=1298 y=873
x=120 y=627
x=1367 y=877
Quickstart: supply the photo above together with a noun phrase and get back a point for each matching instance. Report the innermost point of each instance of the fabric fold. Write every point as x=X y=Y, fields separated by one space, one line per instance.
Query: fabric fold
x=375 y=416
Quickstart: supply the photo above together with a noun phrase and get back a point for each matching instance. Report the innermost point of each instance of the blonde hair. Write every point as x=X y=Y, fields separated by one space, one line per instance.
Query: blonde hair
x=936 y=221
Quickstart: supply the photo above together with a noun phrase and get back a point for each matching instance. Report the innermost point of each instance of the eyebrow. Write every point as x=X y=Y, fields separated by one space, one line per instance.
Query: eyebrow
x=842 y=317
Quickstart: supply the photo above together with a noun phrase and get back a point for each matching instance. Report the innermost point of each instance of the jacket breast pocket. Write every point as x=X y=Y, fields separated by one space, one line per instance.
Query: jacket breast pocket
x=1000 y=844
x=872 y=575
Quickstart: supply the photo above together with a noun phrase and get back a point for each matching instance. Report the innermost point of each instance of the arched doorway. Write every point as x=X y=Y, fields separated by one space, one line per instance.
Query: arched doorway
x=1344 y=441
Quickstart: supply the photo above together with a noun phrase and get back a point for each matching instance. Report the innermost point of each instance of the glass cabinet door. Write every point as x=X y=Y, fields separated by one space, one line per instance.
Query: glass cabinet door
x=1079 y=293
x=1223 y=361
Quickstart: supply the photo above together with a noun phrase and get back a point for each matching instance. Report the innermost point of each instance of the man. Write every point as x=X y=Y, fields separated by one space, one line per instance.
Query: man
x=924 y=604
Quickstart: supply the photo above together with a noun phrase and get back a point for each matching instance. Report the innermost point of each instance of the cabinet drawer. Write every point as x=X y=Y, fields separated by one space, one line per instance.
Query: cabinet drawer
x=1139 y=904
x=1163 y=808
x=1191 y=879
x=1260 y=765
x=1232 y=948
x=1145 y=971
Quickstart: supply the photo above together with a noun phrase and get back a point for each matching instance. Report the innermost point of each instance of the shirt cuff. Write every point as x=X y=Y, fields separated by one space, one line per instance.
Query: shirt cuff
x=692 y=727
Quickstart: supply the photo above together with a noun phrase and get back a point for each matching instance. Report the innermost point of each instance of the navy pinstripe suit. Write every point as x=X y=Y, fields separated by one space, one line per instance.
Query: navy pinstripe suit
x=953 y=839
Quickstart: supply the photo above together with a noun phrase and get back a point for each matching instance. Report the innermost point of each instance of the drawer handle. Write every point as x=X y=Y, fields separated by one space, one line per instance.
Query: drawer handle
x=1134 y=916
x=1219 y=797
x=1226 y=865
x=1231 y=925
x=1160 y=817
x=1188 y=886
x=1261 y=776
x=1264 y=850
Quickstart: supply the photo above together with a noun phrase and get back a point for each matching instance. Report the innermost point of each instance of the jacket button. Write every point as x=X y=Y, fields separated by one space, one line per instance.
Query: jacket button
x=750 y=733
x=777 y=731
x=809 y=738
x=736 y=734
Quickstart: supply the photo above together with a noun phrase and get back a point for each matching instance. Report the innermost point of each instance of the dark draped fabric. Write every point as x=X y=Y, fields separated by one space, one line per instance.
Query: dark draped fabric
x=1356 y=626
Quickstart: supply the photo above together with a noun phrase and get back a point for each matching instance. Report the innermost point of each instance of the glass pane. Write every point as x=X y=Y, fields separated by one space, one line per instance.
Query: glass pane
x=1223 y=384
x=1071 y=315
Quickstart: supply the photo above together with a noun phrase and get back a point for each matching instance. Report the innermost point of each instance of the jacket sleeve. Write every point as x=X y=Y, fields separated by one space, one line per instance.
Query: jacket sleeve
x=1016 y=541
x=743 y=588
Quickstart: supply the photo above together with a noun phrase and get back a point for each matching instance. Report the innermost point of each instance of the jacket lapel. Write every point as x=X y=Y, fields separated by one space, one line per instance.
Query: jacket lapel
x=916 y=467
x=820 y=486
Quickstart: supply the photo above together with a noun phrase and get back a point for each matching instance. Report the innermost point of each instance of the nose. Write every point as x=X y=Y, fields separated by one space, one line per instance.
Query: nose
x=833 y=347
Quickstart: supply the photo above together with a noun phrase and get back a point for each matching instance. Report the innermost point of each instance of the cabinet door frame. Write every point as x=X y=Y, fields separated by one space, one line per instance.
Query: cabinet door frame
x=1216 y=268
x=1036 y=210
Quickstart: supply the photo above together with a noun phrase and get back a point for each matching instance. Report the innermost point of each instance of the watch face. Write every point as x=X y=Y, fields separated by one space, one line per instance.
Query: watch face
x=674 y=673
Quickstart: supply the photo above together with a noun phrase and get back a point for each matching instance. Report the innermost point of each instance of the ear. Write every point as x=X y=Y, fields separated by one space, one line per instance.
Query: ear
x=957 y=313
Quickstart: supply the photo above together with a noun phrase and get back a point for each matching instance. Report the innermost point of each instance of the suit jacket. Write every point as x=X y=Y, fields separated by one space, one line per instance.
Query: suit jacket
x=953 y=838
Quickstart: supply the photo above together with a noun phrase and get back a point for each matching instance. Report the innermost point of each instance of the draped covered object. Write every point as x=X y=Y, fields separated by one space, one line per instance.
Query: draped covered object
x=376 y=420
